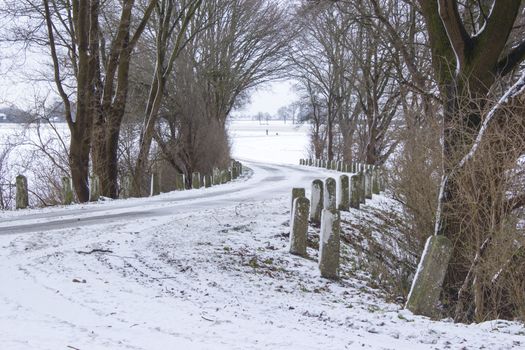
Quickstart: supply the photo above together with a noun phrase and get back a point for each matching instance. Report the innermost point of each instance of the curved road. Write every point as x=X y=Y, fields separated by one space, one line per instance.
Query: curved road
x=267 y=181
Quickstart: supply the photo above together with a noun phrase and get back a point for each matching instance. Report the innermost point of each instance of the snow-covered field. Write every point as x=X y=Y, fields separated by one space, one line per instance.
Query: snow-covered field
x=203 y=269
x=284 y=143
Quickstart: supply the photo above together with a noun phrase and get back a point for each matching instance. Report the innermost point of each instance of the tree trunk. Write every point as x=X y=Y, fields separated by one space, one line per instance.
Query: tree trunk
x=79 y=163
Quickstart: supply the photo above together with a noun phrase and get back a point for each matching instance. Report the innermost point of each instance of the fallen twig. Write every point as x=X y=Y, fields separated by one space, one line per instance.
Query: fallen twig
x=94 y=251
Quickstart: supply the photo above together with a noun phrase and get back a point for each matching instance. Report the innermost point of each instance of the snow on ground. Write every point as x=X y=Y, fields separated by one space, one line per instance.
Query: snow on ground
x=284 y=143
x=202 y=269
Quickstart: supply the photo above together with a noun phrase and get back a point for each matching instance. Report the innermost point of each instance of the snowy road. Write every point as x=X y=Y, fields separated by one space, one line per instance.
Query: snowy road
x=266 y=182
x=198 y=270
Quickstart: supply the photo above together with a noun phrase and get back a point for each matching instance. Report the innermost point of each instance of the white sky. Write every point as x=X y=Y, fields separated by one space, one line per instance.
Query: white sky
x=270 y=98
x=15 y=89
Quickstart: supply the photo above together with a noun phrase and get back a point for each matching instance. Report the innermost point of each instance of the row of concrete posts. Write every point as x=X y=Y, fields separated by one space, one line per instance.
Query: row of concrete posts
x=424 y=295
x=216 y=178
x=327 y=199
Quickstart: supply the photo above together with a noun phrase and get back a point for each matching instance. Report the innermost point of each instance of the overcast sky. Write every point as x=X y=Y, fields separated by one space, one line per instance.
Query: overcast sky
x=16 y=89
x=270 y=98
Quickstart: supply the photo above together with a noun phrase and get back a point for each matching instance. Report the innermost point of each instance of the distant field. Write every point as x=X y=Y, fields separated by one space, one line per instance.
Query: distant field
x=285 y=143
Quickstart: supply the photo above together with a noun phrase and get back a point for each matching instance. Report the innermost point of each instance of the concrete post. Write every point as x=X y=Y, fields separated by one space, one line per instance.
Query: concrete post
x=375 y=182
x=382 y=182
x=94 y=188
x=329 y=244
x=296 y=193
x=362 y=198
x=196 y=180
x=316 y=201
x=343 y=198
x=22 y=192
x=125 y=187
x=329 y=202
x=423 y=298
x=238 y=166
x=226 y=176
x=207 y=180
x=155 y=184
x=368 y=184
x=180 y=182
x=217 y=176
x=354 y=192
x=67 y=190
x=299 y=226
x=235 y=172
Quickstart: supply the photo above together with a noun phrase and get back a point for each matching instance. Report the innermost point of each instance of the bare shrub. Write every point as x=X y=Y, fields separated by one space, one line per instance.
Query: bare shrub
x=414 y=178
x=488 y=272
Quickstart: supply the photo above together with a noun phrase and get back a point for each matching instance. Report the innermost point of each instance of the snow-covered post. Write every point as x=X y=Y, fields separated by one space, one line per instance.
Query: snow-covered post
x=67 y=190
x=354 y=191
x=155 y=184
x=207 y=180
x=316 y=201
x=329 y=201
x=344 y=196
x=299 y=226
x=180 y=182
x=354 y=167
x=323 y=163
x=22 y=192
x=339 y=166
x=94 y=188
x=301 y=161
x=368 y=184
x=334 y=165
x=196 y=180
x=329 y=244
x=423 y=298
x=296 y=193
x=310 y=161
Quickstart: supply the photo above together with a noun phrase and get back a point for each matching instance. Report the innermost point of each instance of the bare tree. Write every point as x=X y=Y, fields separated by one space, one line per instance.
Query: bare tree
x=241 y=46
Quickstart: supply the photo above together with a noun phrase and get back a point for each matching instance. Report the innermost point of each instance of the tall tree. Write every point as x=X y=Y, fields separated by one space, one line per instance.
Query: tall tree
x=472 y=55
x=98 y=62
